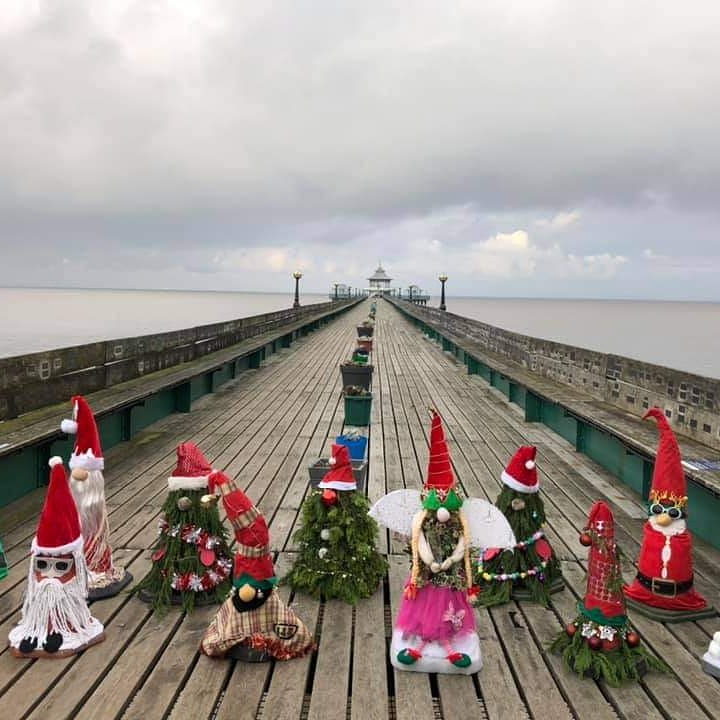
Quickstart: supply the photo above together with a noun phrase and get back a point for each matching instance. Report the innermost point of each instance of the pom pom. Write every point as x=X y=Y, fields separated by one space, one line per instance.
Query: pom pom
x=529 y=464
x=55 y=460
x=443 y=515
x=325 y=534
x=322 y=552
x=332 y=461
x=69 y=427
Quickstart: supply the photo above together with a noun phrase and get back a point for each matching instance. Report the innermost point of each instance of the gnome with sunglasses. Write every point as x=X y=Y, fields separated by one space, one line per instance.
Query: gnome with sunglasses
x=56 y=621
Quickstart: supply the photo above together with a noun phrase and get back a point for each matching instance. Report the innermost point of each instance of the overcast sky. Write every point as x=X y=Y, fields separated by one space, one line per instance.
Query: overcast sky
x=525 y=148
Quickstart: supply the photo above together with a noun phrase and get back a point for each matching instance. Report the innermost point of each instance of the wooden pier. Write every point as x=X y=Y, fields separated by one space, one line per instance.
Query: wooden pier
x=265 y=427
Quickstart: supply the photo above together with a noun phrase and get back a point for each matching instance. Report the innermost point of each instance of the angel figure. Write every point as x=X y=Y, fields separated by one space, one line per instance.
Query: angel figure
x=435 y=630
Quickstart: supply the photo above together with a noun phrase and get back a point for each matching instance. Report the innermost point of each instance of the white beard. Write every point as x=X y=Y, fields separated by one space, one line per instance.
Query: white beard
x=674 y=528
x=51 y=606
x=89 y=497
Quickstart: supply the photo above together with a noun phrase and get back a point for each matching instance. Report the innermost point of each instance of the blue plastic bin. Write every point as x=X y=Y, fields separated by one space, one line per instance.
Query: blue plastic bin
x=356 y=447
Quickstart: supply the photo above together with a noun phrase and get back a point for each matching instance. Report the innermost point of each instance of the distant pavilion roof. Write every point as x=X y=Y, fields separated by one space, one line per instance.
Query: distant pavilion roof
x=379 y=274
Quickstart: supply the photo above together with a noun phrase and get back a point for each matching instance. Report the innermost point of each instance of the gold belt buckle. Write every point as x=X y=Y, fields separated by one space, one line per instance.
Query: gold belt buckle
x=664 y=582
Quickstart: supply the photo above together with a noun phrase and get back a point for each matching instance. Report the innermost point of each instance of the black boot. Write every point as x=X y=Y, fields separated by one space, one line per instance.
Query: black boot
x=53 y=642
x=27 y=645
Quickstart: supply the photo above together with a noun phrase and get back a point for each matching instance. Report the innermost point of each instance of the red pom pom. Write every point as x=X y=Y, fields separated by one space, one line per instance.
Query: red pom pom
x=329 y=497
x=585 y=539
x=543 y=549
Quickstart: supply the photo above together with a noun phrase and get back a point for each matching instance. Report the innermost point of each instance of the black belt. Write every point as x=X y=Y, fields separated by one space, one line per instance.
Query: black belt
x=659 y=586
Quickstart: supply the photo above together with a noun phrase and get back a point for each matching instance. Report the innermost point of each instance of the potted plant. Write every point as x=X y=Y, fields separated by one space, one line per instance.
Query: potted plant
x=366 y=329
x=364 y=343
x=358 y=403
x=355 y=443
x=357 y=373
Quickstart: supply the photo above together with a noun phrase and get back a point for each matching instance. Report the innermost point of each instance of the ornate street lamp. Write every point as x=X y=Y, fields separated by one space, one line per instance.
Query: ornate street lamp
x=443 y=279
x=297 y=275
x=335 y=285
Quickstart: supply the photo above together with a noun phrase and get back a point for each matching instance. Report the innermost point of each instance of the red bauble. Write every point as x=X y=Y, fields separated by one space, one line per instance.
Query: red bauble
x=632 y=639
x=595 y=642
x=612 y=645
x=329 y=497
x=207 y=557
x=571 y=629
x=159 y=554
x=586 y=540
x=543 y=549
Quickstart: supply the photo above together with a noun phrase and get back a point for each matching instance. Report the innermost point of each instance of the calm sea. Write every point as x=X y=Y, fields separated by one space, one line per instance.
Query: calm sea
x=682 y=335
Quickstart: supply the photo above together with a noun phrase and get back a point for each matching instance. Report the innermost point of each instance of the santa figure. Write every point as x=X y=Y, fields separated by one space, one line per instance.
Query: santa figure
x=253 y=624
x=105 y=579
x=663 y=587
x=56 y=621
x=435 y=630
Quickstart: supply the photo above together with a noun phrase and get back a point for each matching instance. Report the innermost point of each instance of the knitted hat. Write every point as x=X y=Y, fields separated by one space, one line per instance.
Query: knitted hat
x=340 y=476
x=440 y=474
x=521 y=474
x=192 y=469
x=253 y=562
x=58 y=530
x=668 y=482
x=604 y=600
x=87 y=454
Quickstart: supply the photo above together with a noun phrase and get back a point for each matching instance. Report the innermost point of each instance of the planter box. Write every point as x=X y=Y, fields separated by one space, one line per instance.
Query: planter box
x=318 y=469
x=357 y=410
x=360 y=375
x=364 y=331
x=365 y=344
x=357 y=447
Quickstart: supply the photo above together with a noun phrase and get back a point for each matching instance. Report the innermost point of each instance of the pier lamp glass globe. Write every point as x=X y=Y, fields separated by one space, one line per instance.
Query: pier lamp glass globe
x=297 y=274
x=442 y=277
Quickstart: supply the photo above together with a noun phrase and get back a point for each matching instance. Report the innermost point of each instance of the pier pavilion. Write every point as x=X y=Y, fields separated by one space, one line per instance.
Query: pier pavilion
x=265 y=426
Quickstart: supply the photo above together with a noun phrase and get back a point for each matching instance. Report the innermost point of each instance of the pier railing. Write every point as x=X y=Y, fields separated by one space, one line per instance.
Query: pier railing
x=691 y=402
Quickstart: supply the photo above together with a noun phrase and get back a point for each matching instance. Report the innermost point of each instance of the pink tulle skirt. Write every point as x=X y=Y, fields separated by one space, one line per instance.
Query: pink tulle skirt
x=436 y=613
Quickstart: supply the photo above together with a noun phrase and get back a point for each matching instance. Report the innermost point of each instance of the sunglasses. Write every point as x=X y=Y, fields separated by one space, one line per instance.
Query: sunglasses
x=673 y=512
x=55 y=567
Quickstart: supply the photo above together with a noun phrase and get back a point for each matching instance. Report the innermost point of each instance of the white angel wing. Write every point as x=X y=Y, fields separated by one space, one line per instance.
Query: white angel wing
x=489 y=528
x=397 y=509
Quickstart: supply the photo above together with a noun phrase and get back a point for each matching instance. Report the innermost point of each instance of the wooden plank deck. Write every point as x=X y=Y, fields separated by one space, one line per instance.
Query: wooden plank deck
x=264 y=428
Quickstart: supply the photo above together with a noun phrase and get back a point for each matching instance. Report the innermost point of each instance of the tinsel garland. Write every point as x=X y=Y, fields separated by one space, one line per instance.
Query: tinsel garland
x=337 y=556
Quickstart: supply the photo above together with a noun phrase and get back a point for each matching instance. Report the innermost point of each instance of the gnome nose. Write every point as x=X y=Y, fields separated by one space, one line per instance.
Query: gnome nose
x=443 y=515
x=247 y=593
x=663 y=520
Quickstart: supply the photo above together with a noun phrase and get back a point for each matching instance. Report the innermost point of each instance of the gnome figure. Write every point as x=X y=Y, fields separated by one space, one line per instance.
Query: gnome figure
x=337 y=558
x=663 y=587
x=531 y=571
x=56 y=621
x=253 y=624
x=105 y=579
x=191 y=562
x=435 y=630
x=599 y=642
x=711 y=659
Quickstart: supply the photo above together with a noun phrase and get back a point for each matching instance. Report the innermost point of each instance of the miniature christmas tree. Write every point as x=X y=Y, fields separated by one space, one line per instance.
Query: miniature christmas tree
x=599 y=642
x=530 y=570
x=191 y=563
x=253 y=624
x=337 y=557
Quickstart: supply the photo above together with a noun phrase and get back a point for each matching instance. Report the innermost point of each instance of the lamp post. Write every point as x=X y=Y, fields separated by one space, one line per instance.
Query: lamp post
x=443 y=279
x=297 y=275
x=410 y=292
x=335 y=285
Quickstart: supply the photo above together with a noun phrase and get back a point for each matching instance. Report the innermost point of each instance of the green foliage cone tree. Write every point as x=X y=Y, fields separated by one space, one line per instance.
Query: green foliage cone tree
x=337 y=556
x=532 y=570
x=191 y=561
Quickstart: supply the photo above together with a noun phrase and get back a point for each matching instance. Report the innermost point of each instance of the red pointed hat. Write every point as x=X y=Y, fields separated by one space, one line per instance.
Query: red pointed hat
x=58 y=531
x=603 y=596
x=440 y=474
x=192 y=470
x=253 y=562
x=87 y=453
x=668 y=483
x=521 y=473
x=340 y=476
